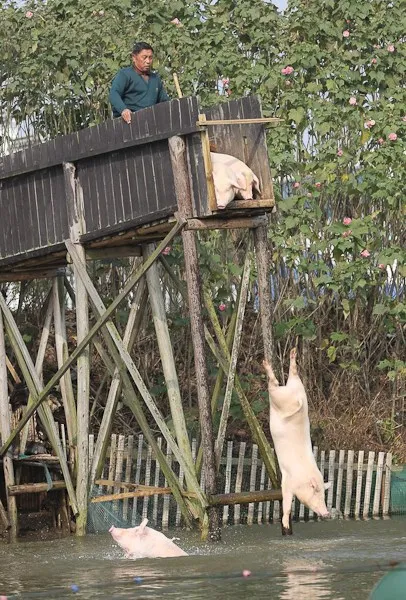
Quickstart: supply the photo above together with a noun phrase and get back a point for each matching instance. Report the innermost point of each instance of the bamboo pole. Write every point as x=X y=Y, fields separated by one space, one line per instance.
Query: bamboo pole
x=177 y=151
x=35 y=488
x=99 y=323
x=5 y=417
x=34 y=385
x=133 y=324
x=244 y=497
x=39 y=362
x=61 y=346
x=168 y=364
x=121 y=357
x=242 y=301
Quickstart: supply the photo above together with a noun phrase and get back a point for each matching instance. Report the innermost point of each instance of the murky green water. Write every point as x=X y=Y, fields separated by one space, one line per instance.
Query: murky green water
x=337 y=560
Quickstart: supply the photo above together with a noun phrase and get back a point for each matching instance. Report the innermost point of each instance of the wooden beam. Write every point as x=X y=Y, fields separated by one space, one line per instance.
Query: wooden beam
x=137 y=494
x=6 y=276
x=99 y=323
x=112 y=252
x=264 y=289
x=227 y=223
x=245 y=497
x=35 y=488
x=248 y=204
x=177 y=149
x=257 y=121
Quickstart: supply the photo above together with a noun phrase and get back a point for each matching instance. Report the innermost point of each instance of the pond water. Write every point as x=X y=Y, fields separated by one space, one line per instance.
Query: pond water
x=334 y=560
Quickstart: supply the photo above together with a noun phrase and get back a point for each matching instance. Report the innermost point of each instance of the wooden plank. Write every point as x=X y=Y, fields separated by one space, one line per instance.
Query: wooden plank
x=138 y=494
x=378 y=484
x=112 y=461
x=368 y=484
x=128 y=467
x=261 y=487
x=253 y=479
x=360 y=465
x=243 y=498
x=348 y=485
x=165 y=511
x=147 y=481
x=340 y=472
x=227 y=486
x=118 y=469
x=331 y=471
x=386 y=486
x=138 y=474
x=238 y=481
x=156 y=483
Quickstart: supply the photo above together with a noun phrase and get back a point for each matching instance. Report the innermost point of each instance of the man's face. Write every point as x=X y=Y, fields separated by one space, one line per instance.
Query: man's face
x=143 y=60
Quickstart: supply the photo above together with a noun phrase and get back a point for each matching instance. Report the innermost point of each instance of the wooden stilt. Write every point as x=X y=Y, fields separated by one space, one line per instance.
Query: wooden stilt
x=100 y=322
x=34 y=385
x=168 y=363
x=264 y=289
x=177 y=150
x=77 y=226
x=5 y=432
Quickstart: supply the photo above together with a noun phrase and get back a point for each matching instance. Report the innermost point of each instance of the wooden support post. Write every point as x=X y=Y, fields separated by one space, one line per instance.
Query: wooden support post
x=77 y=227
x=245 y=497
x=264 y=287
x=61 y=345
x=182 y=187
x=5 y=416
x=242 y=300
x=35 y=387
x=168 y=363
x=121 y=357
x=80 y=348
x=133 y=324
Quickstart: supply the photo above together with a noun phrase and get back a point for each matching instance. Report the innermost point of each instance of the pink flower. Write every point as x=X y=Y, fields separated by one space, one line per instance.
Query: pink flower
x=404 y=119
x=246 y=573
x=29 y=14
x=339 y=152
x=296 y=185
x=369 y=124
x=381 y=141
x=392 y=137
x=308 y=195
x=374 y=61
x=347 y=233
x=381 y=266
x=222 y=306
x=225 y=81
x=352 y=101
x=318 y=184
x=365 y=253
x=346 y=33
x=176 y=22
x=288 y=82
x=347 y=220
x=166 y=250
x=287 y=70
x=391 y=48
x=101 y=13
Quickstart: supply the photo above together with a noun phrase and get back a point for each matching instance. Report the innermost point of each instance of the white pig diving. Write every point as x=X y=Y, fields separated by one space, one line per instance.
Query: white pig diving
x=145 y=542
x=290 y=430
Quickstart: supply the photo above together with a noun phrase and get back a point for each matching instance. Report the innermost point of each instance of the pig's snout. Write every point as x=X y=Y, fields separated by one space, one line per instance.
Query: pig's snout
x=112 y=528
x=324 y=514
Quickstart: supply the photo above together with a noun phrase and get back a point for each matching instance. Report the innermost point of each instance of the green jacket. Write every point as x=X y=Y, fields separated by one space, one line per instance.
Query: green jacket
x=130 y=90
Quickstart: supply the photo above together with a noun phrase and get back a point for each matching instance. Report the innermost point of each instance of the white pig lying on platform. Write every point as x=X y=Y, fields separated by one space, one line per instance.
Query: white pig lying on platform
x=290 y=429
x=144 y=542
x=232 y=178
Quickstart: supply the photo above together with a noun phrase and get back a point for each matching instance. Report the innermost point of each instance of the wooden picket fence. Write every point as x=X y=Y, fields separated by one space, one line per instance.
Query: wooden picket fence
x=360 y=482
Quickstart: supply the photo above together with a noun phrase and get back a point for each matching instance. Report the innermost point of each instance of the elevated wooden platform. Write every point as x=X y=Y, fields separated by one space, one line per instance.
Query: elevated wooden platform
x=125 y=177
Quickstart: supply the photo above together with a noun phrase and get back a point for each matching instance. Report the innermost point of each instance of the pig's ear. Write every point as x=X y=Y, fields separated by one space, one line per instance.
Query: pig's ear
x=239 y=181
x=143 y=525
x=314 y=484
x=327 y=485
x=256 y=184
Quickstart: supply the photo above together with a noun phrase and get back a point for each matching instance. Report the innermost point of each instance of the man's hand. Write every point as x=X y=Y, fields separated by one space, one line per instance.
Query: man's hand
x=126 y=115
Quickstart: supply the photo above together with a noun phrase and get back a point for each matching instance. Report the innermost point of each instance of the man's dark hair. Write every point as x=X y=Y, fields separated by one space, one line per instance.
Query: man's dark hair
x=140 y=46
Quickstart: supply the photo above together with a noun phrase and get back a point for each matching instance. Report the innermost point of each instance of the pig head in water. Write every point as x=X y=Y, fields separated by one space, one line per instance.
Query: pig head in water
x=232 y=178
x=144 y=542
x=290 y=430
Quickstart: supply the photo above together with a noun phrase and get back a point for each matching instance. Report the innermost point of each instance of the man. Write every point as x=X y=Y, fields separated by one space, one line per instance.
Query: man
x=136 y=87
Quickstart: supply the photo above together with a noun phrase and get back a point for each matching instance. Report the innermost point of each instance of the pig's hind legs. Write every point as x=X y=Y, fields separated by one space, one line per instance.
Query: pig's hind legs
x=287 y=498
x=273 y=382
